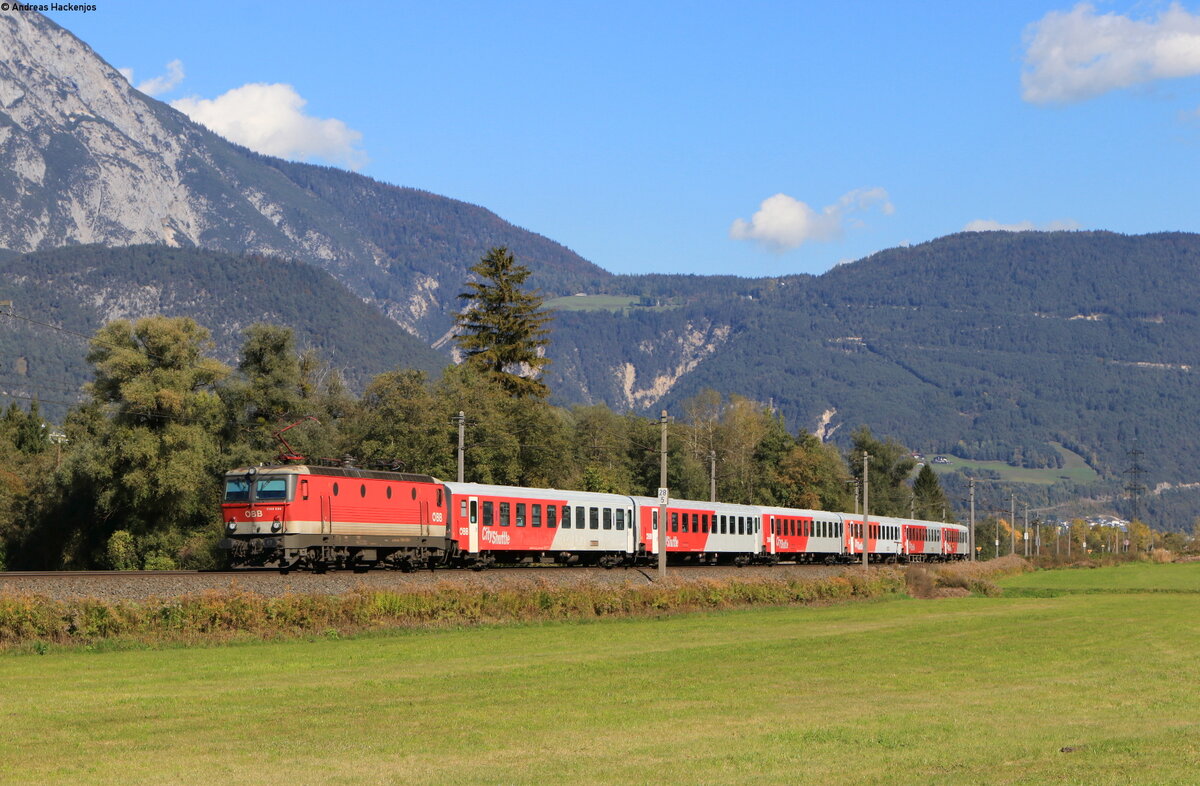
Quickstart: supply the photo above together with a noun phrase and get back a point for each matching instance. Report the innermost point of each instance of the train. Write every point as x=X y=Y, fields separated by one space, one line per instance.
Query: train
x=307 y=516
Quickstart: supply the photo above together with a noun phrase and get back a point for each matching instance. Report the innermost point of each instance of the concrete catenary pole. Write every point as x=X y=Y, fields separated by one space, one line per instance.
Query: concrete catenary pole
x=971 y=485
x=712 y=476
x=1026 y=530
x=662 y=499
x=1012 y=521
x=462 y=429
x=866 y=497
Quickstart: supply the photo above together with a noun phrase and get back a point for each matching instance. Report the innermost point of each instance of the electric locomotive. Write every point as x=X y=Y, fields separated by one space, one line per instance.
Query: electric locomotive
x=321 y=517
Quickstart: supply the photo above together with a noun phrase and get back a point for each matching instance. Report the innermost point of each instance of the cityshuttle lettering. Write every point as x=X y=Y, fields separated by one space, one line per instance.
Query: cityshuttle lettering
x=496 y=538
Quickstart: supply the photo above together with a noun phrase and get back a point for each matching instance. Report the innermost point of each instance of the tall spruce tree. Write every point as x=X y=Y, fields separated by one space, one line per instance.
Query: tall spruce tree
x=502 y=328
x=931 y=502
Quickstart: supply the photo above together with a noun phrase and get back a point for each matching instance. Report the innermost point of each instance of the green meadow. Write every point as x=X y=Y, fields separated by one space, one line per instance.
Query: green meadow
x=1074 y=469
x=1088 y=686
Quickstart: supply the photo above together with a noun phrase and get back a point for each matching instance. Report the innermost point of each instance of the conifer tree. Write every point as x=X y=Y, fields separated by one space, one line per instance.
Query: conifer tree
x=502 y=328
x=931 y=503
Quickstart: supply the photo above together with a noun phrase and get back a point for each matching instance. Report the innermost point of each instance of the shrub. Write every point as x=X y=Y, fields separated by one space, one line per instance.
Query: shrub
x=121 y=553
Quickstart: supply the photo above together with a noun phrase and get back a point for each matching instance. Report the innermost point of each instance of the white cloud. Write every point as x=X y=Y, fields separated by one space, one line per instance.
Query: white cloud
x=1078 y=54
x=988 y=225
x=163 y=83
x=783 y=222
x=127 y=73
x=270 y=119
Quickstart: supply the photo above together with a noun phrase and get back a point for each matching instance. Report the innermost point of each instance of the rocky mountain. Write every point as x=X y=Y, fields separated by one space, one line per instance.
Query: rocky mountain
x=88 y=159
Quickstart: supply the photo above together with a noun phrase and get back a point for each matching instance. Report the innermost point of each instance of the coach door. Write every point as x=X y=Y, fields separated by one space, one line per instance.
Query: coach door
x=630 y=533
x=473 y=525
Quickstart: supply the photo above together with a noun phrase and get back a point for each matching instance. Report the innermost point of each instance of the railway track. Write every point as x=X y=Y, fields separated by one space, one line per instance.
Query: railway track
x=141 y=585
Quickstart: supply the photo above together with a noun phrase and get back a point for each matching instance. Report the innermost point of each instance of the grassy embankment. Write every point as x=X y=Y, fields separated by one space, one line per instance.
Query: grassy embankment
x=958 y=690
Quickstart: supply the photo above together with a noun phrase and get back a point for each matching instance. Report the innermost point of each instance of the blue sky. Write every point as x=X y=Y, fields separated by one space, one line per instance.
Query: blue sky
x=754 y=138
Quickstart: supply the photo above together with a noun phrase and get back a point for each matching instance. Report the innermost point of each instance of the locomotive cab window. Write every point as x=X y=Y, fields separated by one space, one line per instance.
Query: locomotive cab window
x=270 y=489
x=237 y=490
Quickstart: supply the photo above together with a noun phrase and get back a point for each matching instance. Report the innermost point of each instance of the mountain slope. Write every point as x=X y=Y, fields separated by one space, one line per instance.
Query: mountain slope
x=88 y=159
x=78 y=289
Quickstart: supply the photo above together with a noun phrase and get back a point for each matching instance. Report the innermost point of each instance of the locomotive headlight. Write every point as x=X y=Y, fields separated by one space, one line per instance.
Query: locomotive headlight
x=231 y=526
x=276 y=525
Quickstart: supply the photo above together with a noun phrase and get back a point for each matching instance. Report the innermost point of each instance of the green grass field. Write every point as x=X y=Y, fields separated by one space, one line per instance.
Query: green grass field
x=603 y=303
x=591 y=302
x=1130 y=577
x=956 y=691
x=1074 y=469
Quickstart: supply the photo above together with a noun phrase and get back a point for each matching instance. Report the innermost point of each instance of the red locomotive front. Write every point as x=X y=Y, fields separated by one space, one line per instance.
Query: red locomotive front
x=314 y=517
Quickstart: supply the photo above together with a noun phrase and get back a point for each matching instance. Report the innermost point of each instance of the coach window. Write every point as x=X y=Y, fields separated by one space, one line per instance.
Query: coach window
x=674 y=521
x=608 y=518
x=488 y=510
x=621 y=519
x=520 y=514
x=551 y=516
x=724 y=525
x=537 y=515
x=685 y=523
x=566 y=520
x=695 y=522
x=594 y=518
x=580 y=517
x=504 y=510
x=462 y=508
x=704 y=523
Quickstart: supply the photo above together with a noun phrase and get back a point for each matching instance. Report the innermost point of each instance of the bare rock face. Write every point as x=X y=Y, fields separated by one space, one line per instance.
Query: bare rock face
x=91 y=159
x=85 y=158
